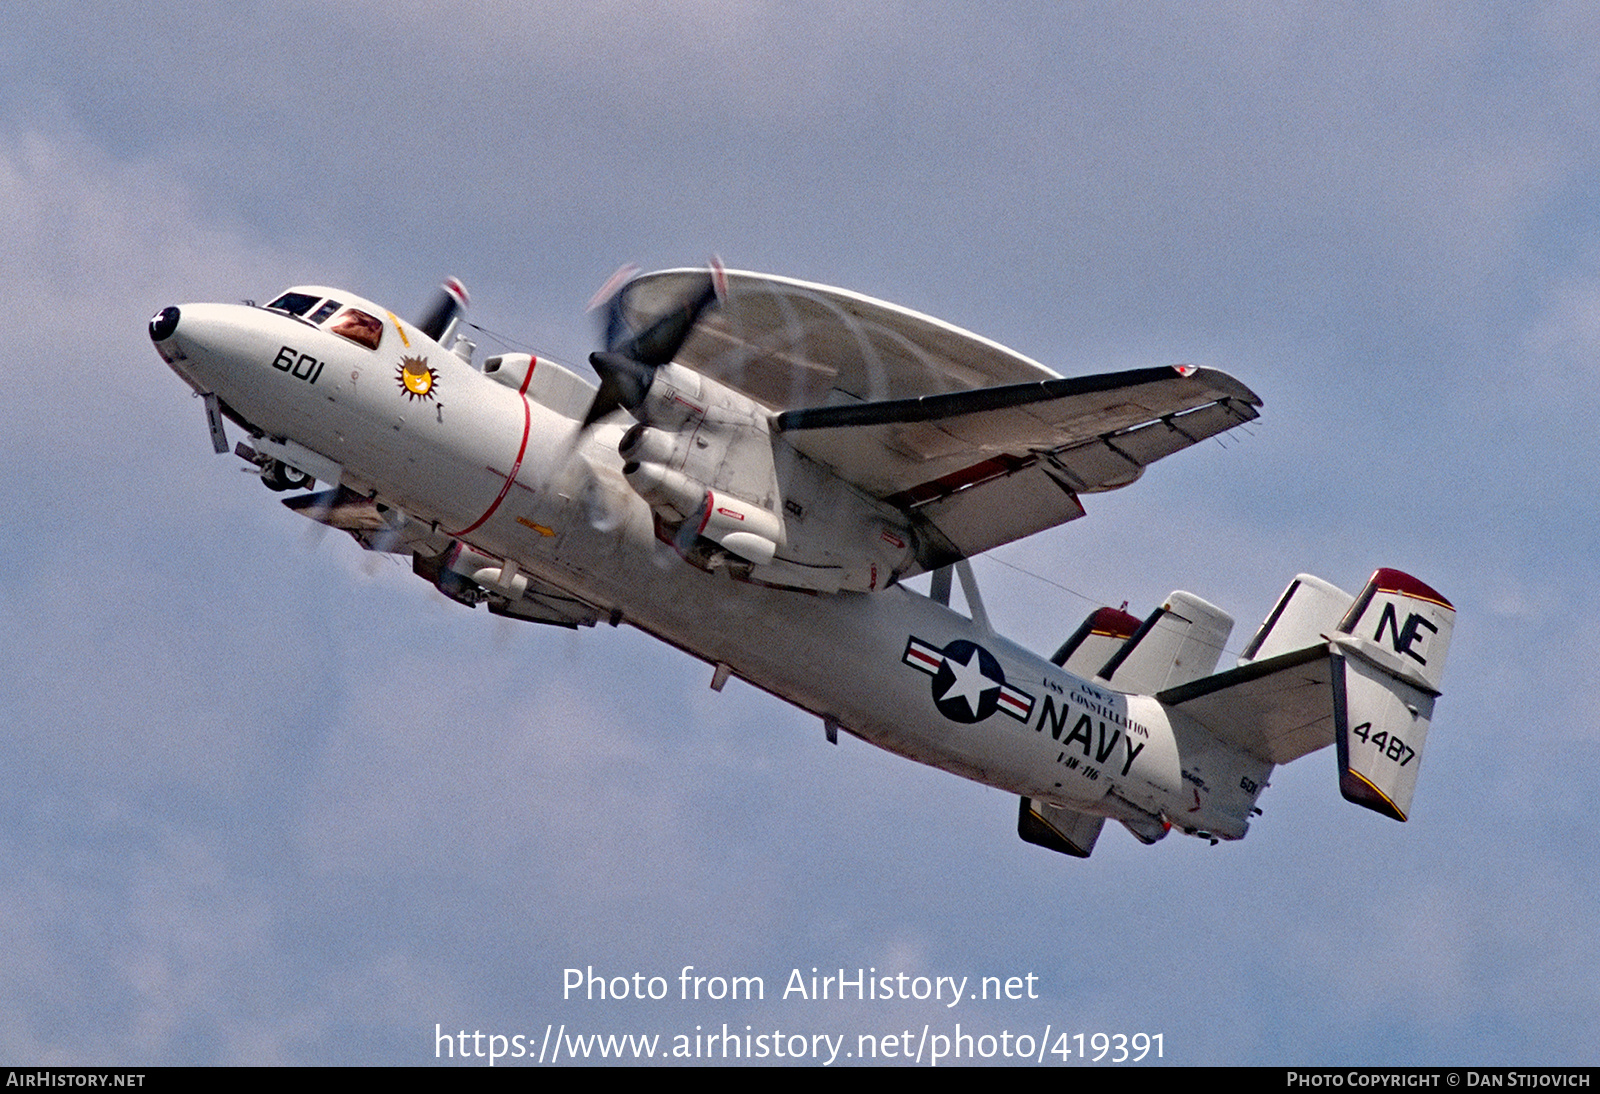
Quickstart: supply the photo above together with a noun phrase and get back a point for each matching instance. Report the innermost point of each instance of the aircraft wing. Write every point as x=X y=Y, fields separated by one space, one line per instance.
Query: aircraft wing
x=978 y=444
x=1278 y=709
x=990 y=465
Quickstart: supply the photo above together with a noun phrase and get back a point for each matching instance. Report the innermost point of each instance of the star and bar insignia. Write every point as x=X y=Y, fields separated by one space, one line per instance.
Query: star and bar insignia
x=968 y=683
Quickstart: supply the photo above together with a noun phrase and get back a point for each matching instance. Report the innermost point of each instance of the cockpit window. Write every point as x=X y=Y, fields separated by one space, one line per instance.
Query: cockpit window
x=359 y=327
x=295 y=303
x=327 y=309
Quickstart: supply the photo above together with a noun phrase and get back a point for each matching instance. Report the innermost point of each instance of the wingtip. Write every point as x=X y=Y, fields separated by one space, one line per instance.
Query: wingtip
x=1224 y=384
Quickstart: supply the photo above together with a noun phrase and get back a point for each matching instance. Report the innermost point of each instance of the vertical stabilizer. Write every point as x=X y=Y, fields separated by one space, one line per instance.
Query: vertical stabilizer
x=1065 y=830
x=1309 y=610
x=1400 y=620
x=1093 y=643
x=1387 y=662
x=1180 y=641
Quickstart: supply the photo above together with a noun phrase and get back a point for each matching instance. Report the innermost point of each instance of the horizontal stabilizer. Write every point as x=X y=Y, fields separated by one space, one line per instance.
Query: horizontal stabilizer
x=1277 y=709
x=1065 y=830
x=1367 y=684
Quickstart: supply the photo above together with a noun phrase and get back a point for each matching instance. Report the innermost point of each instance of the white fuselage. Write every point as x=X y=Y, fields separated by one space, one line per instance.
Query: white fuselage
x=479 y=461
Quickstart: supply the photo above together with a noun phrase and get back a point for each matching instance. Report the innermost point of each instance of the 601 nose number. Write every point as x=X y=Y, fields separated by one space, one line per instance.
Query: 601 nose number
x=302 y=366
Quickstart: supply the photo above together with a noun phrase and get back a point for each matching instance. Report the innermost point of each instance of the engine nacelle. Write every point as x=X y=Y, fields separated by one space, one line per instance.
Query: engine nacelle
x=546 y=382
x=730 y=494
x=470 y=576
x=747 y=530
x=491 y=573
x=673 y=496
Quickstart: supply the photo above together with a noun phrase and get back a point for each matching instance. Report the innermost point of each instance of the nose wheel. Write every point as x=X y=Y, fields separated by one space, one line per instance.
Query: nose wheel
x=279 y=476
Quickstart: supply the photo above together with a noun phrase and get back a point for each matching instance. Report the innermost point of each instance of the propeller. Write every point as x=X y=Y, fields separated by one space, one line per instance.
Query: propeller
x=627 y=366
x=448 y=303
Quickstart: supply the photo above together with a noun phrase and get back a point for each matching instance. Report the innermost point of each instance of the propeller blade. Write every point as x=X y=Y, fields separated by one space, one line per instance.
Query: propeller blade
x=628 y=364
x=609 y=296
x=606 y=293
x=624 y=383
x=660 y=342
x=449 y=302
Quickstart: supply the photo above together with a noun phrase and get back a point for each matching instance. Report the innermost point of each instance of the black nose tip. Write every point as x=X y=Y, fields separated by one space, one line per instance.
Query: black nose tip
x=163 y=323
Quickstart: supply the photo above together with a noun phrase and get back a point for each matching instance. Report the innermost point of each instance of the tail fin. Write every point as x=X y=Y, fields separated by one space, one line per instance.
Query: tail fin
x=1065 y=830
x=1387 y=661
x=1309 y=610
x=1095 y=640
x=1179 y=642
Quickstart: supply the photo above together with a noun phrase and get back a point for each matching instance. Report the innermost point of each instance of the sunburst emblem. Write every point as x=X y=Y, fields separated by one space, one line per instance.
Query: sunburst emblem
x=416 y=378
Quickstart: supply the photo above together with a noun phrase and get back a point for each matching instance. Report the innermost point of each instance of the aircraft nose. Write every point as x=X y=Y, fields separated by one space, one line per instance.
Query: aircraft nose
x=163 y=323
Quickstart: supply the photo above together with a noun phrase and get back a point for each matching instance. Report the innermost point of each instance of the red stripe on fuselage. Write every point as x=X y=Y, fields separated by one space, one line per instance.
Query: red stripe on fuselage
x=516 y=465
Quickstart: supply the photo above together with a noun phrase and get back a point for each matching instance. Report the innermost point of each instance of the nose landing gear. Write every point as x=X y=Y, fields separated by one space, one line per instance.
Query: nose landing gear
x=279 y=476
x=276 y=475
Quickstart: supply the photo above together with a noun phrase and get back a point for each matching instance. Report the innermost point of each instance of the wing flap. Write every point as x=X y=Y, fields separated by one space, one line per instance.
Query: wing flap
x=1010 y=508
x=360 y=516
x=1108 y=462
x=544 y=603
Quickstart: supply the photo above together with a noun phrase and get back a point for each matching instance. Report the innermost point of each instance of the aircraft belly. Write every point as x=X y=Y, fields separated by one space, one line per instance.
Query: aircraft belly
x=842 y=657
x=864 y=660
x=838 y=656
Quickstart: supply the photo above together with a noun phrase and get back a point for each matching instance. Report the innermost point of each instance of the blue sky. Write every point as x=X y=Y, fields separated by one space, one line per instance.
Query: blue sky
x=271 y=800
